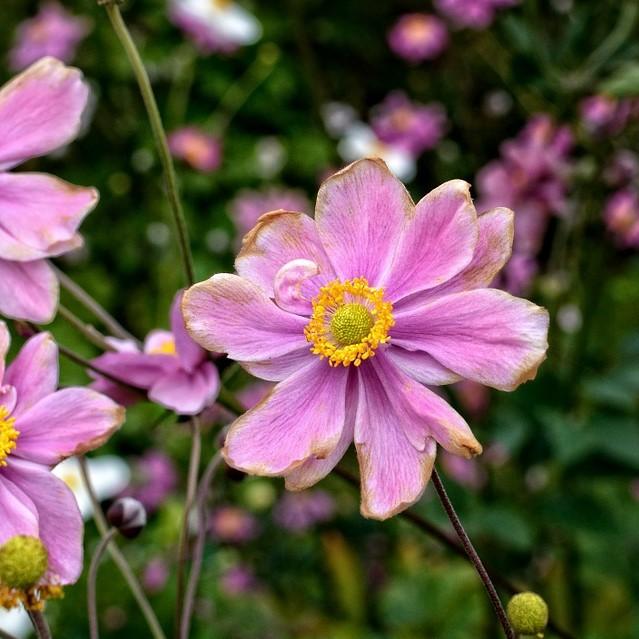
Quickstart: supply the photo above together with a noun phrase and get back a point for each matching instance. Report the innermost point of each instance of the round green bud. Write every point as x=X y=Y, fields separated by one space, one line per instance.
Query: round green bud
x=528 y=614
x=23 y=560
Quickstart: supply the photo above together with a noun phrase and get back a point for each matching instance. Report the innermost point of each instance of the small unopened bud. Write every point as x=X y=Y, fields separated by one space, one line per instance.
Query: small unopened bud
x=23 y=561
x=128 y=516
x=528 y=614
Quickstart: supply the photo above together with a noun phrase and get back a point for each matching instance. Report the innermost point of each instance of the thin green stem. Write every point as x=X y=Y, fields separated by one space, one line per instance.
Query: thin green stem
x=170 y=178
x=119 y=559
x=40 y=624
x=92 y=580
x=191 y=489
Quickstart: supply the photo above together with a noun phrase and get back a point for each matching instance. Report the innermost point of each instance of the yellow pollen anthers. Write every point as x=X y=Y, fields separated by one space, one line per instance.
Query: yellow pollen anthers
x=350 y=320
x=167 y=347
x=8 y=434
x=32 y=598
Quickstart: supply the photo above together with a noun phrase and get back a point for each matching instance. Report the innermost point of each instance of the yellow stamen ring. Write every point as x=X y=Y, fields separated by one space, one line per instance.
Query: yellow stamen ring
x=350 y=320
x=8 y=434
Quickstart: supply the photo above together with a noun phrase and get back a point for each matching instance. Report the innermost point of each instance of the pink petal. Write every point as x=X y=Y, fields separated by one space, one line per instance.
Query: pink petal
x=421 y=366
x=41 y=215
x=278 y=238
x=28 y=291
x=40 y=111
x=437 y=243
x=484 y=335
x=290 y=294
x=302 y=417
x=34 y=372
x=18 y=515
x=189 y=353
x=60 y=522
x=69 y=422
x=228 y=314
x=8 y=398
x=187 y=393
x=278 y=368
x=393 y=472
x=361 y=212
x=138 y=369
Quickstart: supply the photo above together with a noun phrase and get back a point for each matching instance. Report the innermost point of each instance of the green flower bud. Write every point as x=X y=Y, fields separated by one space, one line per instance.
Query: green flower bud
x=23 y=561
x=528 y=614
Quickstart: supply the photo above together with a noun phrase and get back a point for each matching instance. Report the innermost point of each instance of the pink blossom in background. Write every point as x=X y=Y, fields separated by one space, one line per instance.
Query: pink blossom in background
x=171 y=367
x=418 y=36
x=473 y=397
x=52 y=32
x=621 y=215
x=200 y=150
x=410 y=125
x=155 y=478
x=475 y=14
x=215 y=26
x=233 y=525
x=603 y=115
x=39 y=427
x=155 y=576
x=622 y=169
x=247 y=207
x=353 y=313
x=238 y=580
x=297 y=512
x=40 y=111
x=466 y=472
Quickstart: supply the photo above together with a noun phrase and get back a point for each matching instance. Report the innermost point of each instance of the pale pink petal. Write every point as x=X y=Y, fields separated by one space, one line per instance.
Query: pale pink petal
x=18 y=515
x=189 y=353
x=123 y=395
x=421 y=366
x=314 y=469
x=34 y=371
x=157 y=341
x=60 y=522
x=278 y=368
x=484 y=335
x=393 y=472
x=361 y=212
x=437 y=243
x=187 y=393
x=40 y=111
x=302 y=417
x=289 y=286
x=28 y=291
x=229 y=314
x=69 y=422
x=8 y=398
x=137 y=369
x=5 y=342
x=278 y=238
x=41 y=215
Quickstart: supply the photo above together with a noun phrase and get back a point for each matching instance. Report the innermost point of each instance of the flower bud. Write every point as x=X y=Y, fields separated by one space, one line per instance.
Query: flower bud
x=128 y=516
x=23 y=561
x=528 y=614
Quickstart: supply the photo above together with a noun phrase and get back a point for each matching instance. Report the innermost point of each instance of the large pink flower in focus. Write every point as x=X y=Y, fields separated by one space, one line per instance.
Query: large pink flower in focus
x=176 y=372
x=352 y=313
x=39 y=427
x=40 y=111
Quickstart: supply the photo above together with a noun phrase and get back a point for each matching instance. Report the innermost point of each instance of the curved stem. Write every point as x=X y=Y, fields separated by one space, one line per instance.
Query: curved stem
x=198 y=551
x=472 y=555
x=92 y=305
x=191 y=488
x=119 y=559
x=89 y=331
x=170 y=179
x=40 y=624
x=92 y=579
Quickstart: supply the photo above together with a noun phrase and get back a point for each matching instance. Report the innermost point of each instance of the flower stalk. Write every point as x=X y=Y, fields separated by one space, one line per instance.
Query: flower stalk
x=40 y=624
x=92 y=583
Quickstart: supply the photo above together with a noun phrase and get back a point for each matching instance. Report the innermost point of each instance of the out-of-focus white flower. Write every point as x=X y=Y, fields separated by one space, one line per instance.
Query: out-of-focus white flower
x=15 y=622
x=109 y=475
x=360 y=141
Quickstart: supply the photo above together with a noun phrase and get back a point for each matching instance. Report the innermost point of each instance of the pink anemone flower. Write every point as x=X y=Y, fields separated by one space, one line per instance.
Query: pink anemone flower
x=353 y=313
x=40 y=111
x=39 y=427
x=176 y=372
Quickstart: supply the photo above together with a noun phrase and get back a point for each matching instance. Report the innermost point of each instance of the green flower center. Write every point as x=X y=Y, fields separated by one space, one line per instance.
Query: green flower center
x=351 y=323
x=23 y=561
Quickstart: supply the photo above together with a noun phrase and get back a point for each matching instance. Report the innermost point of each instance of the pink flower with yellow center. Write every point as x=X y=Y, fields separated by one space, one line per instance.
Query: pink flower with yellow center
x=39 y=427
x=418 y=36
x=353 y=313
x=200 y=150
x=40 y=111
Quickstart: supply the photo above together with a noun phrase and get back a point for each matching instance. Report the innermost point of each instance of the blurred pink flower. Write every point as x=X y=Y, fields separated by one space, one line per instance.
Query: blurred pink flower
x=200 y=150
x=298 y=512
x=247 y=207
x=52 y=32
x=475 y=14
x=155 y=478
x=233 y=525
x=603 y=115
x=175 y=371
x=410 y=125
x=621 y=215
x=467 y=472
x=40 y=111
x=473 y=397
x=155 y=576
x=39 y=427
x=352 y=313
x=622 y=169
x=418 y=36
x=238 y=580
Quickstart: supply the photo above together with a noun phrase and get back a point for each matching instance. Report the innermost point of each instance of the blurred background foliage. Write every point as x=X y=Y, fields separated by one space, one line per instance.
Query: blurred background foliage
x=557 y=504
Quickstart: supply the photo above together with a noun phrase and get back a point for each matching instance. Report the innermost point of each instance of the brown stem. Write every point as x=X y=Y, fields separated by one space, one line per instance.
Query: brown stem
x=40 y=624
